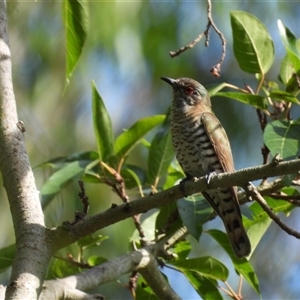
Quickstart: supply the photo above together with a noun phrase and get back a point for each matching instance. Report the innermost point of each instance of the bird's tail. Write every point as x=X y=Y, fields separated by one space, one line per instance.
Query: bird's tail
x=225 y=203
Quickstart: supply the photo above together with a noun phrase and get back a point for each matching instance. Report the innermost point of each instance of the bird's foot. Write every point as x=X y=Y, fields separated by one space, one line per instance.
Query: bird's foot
x=209 y=176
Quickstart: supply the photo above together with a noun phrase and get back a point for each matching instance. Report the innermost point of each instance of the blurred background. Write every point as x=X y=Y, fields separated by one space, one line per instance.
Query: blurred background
x=126 y=53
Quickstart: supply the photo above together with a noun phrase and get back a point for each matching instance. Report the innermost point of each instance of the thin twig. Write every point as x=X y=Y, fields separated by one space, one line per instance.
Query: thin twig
x=80 y=215
x=119 y=188
x=262 y=202
x=217 y=68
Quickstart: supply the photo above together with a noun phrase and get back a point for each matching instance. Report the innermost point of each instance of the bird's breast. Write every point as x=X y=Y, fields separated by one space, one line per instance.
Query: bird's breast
x=192 y=146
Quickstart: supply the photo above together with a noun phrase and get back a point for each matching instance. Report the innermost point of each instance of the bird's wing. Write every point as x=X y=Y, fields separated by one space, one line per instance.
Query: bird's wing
x=219 y=140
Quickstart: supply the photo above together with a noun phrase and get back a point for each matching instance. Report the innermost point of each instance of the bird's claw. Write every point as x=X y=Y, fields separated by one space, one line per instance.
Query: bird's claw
x=209 y=176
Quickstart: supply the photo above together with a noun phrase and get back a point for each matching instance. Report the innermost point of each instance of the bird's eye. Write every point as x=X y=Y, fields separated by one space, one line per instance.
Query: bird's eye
x=189 y=90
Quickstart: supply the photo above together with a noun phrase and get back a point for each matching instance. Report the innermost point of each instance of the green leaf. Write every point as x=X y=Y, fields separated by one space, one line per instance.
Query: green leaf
x=173 y=176
x=75 y=17
x=254 y=100
x=127 y=140
x=182 y=249
x=290 y=43
x=286 y=70
x=148 y=226
x=215 y=89
x=60 y=178
x=252 y=44
x=283 y=137
x=102 y=126
x=205 y=287
x=91 y=241
x=59 y=162
x=95 y=260
x=7 y=255
x=161 y=154
x=168 y=220
x=281 y=95
x=260 y=222
x=242 y=266
x=194 y=212
x=133 y=176
x=206 y=266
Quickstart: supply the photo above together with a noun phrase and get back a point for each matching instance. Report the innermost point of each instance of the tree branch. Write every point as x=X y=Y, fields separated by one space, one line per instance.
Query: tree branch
x=142 y=260
x=65 y=235
x=261 y=201
x=33 y=254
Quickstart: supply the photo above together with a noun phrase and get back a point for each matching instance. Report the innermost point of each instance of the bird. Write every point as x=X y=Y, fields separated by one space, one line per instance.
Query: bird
x=202 y=148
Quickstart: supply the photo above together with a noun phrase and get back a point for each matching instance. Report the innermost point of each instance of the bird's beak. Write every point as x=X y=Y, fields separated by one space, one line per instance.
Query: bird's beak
x=172 y=82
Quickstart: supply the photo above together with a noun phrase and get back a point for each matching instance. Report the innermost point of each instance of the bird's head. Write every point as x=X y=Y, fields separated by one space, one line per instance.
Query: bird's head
x=188 y=92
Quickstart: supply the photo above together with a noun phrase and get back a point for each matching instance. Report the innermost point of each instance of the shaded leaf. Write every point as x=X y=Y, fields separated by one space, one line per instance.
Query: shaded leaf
x=75 y=17
x=7 y=255
x=90 y=241
x=57 y=181
x=161 y=154
x=194 y=212
x=168 y=220
x=102 y=126
x=242 y=266
x=133 y=176
x=205 y=287
x=251 y=99
x=283 y=137
x=252 y=44
x=59 y=162
x=281 y=95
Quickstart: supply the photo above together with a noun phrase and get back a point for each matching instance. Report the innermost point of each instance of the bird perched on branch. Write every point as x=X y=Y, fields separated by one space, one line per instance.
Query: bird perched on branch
x=202 y=147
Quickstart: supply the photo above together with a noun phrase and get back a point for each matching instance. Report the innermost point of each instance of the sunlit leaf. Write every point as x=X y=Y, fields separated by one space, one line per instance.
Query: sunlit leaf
x=252 y=44
x=290 y=43
x=286 y=70
x=160 y=155
x=283 y=137
x=102 y=126
x=182 y=249
x=148 y=226
x=242 y=266
x=127 y=140
x=75 y=16
x=251 y=99
x=215 y=89
x=95 y=260
x=206 y=266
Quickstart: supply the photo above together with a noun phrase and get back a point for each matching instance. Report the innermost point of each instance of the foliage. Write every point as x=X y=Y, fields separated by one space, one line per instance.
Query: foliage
x=109 y=163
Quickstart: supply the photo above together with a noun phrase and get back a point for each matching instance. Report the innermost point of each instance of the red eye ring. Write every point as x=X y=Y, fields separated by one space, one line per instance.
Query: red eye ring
x=189 y=90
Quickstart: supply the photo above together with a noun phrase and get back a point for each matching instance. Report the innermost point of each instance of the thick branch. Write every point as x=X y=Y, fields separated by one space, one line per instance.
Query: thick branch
x=32 y=256
x=143 y=261
x=65 y=235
